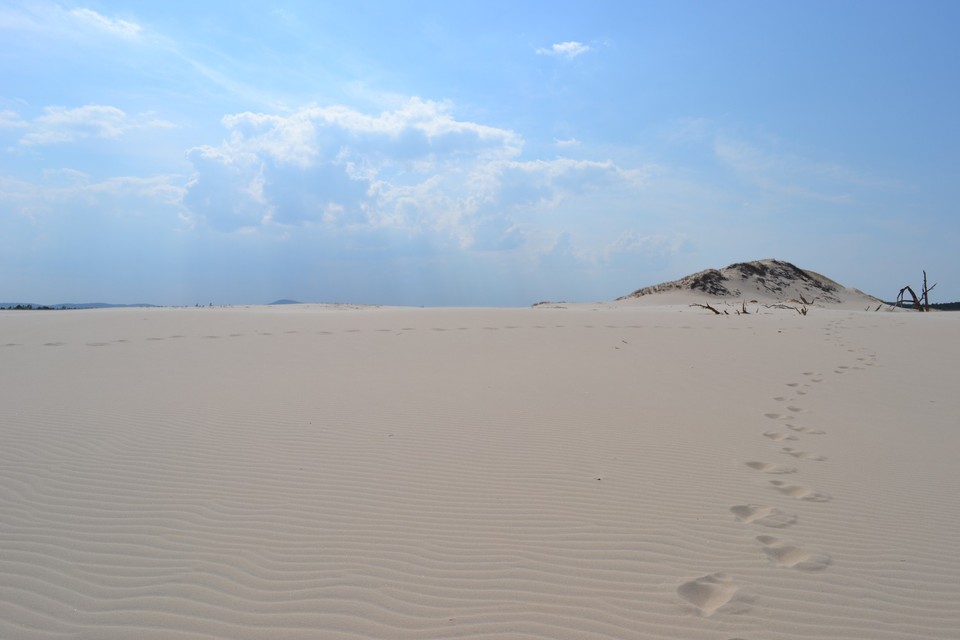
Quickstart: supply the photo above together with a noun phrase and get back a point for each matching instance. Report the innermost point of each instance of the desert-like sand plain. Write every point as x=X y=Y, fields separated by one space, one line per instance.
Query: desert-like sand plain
x=641 y=469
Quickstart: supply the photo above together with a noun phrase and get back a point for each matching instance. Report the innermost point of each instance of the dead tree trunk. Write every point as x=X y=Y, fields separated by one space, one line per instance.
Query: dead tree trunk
x=926 y=292
x=921 y=302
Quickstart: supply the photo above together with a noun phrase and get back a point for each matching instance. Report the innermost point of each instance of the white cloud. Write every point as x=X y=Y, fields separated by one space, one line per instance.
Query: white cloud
x=114 y=26
x=562 y=177
x=567 y=143
x=787 y=174
x=419 y=129
x=335 y=164
x=568 y=50
x=416 y=171
x=11 y=120
x=62 y=124
x=66 y=189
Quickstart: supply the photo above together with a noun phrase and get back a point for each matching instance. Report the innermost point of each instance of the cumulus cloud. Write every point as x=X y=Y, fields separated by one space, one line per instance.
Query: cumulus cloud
x=62 y=124
x=568 y=50
x=227 y=190
x=336 y=165
x=525 y=182
x=416 y=171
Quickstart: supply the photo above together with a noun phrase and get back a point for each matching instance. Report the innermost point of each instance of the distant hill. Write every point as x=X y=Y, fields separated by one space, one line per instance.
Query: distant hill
x=69 y=305
x=96 y=305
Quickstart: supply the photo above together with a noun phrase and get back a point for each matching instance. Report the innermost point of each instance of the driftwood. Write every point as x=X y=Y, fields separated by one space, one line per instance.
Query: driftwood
x=801 y=310
x=916 y=300
x=706 y=306
x=921 y=302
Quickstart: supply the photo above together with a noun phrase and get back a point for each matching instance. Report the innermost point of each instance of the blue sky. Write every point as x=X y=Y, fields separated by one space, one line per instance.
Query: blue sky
x=474 y=153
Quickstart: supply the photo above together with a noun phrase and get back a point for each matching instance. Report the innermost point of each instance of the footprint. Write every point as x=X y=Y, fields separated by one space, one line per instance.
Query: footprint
x=795 y=409
x=708 y=593
x=798 y=492
x=767 y=467
x=767 y=516
x=784 y=554
x=803 y=455
x=807 y=430
x=779 y=437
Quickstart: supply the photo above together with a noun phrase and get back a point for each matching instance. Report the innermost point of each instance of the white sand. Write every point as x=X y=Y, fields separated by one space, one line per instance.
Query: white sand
x=608 y=471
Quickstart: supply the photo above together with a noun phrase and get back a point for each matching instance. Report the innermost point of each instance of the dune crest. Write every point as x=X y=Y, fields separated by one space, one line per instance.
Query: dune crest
x=767 y=280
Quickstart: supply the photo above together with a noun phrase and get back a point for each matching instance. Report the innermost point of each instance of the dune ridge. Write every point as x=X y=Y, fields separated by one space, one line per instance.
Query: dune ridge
x=598 y=471
x=769 y=280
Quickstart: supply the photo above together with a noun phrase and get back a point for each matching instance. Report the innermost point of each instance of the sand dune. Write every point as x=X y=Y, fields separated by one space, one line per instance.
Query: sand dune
x=617 y=470
x=766 y=281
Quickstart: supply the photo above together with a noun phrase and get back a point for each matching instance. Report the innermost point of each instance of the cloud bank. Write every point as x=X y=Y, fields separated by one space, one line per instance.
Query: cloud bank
x=62 y=124
x=416 y=171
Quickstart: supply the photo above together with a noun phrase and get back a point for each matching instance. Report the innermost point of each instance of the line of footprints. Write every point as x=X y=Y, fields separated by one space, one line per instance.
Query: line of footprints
x=709 y=593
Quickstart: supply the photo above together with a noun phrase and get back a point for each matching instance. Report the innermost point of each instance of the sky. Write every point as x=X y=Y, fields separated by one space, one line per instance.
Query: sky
x=471 y=153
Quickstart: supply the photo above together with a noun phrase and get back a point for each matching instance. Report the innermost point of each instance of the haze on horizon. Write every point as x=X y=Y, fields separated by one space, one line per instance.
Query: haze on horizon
x=494 y=153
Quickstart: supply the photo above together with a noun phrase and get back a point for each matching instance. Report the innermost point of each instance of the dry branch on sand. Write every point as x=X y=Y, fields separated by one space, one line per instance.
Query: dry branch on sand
x=921 y=302
x=802 y=310
x=707 y=306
